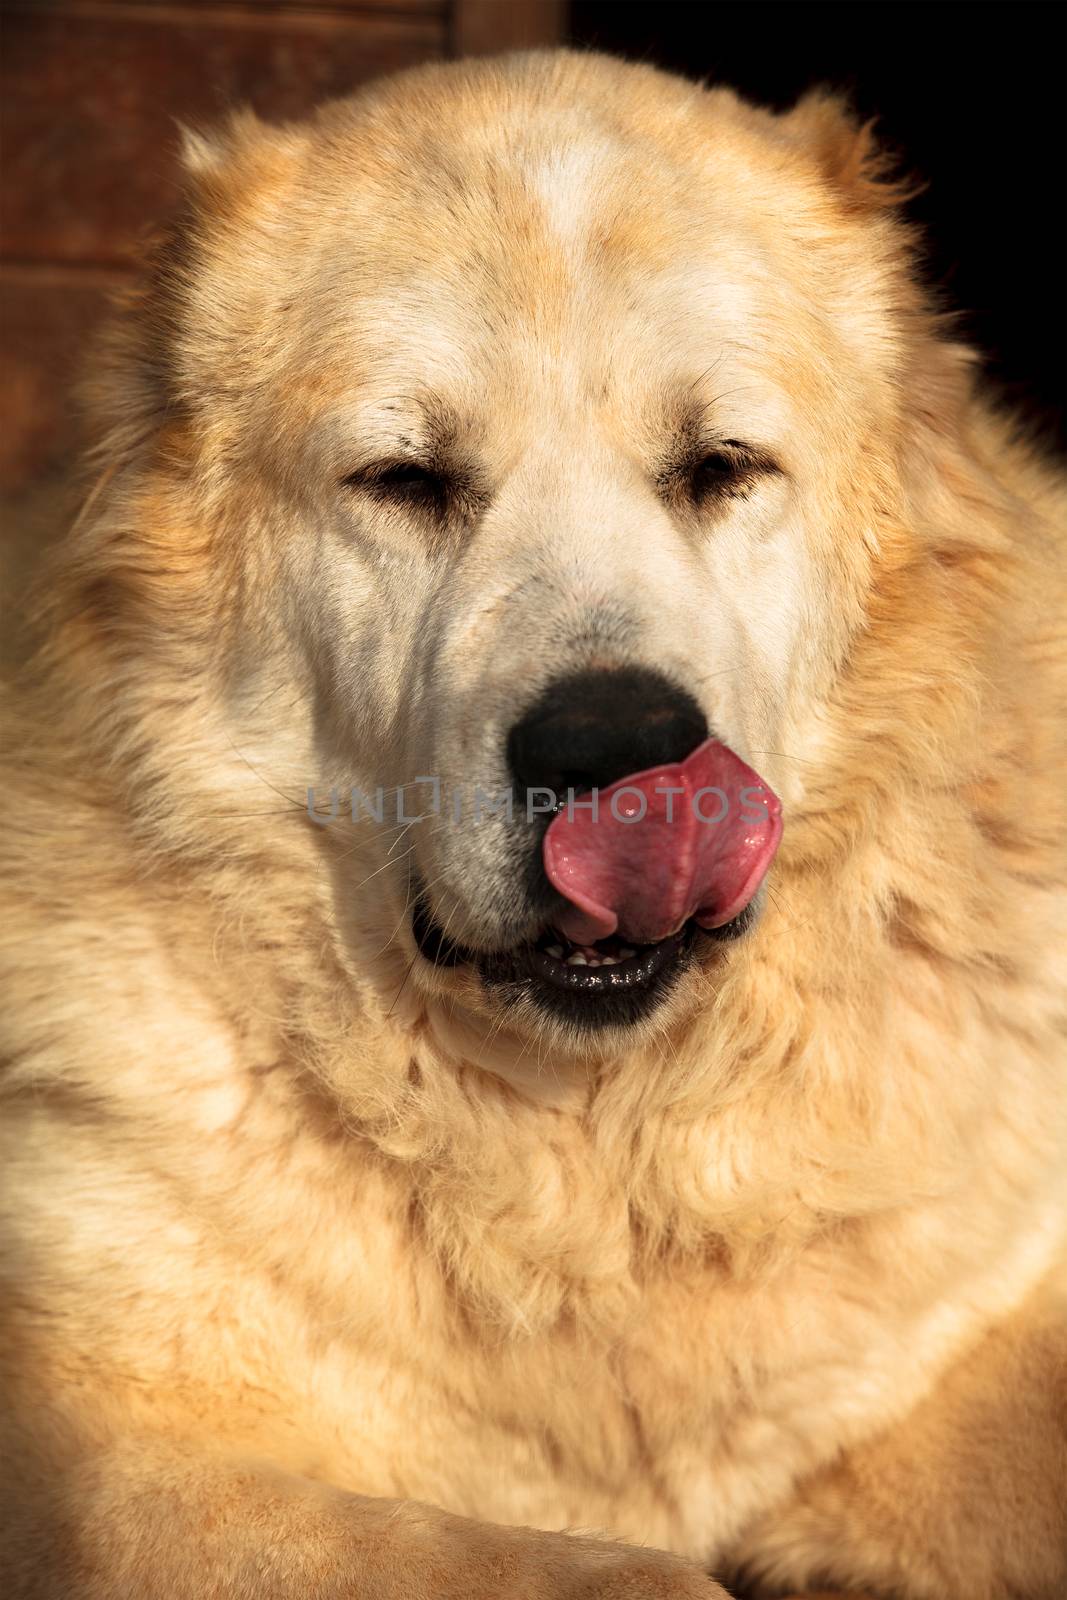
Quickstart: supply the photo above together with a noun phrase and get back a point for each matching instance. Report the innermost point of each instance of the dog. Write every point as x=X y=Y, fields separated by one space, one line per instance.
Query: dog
x=416 y=1184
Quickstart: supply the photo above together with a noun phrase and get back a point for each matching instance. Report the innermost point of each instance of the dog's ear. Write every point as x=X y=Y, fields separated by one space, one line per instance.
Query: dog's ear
x=183 y=326
x=860 y=170
x=238 y=151
x=201 y=150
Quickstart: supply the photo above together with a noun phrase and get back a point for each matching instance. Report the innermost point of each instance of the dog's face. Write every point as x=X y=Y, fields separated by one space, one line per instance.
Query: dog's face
x=549 y=408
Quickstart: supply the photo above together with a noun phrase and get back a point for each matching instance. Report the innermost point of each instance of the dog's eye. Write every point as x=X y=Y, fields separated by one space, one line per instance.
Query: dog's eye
x=404 y=483
x=729 y=469
x=727 y=472
x=714 y=474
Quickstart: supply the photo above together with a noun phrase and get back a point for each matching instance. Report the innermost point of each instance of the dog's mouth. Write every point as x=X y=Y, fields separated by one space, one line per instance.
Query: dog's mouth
x=608 y=983
x=628 y=903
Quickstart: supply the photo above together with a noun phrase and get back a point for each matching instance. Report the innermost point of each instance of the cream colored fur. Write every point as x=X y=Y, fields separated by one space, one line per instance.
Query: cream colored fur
x=312 y=1252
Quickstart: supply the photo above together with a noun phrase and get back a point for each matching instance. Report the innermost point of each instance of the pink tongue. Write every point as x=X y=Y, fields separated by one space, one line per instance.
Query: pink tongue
x=647 y=860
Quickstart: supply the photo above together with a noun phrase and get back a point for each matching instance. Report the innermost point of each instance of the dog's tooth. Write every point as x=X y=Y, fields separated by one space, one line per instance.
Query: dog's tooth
x=576 y=959
x=626 y=954
x=609 y=961
x=555 y=951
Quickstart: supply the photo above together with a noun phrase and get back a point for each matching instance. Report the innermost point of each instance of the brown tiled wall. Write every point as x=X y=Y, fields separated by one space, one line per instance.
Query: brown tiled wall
x=92 y=90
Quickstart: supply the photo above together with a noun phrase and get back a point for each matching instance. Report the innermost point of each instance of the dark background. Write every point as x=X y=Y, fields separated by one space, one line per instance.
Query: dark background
x=973 y=96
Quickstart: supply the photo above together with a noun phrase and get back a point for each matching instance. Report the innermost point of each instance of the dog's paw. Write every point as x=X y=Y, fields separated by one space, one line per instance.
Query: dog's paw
x=617 y=1572
x=488 y=1562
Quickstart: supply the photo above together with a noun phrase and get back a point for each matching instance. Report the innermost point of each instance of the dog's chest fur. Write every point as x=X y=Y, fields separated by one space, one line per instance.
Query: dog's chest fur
x=285 y=1280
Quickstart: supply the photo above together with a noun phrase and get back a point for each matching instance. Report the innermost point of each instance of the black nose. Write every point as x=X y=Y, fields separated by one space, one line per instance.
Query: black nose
x=592 y=728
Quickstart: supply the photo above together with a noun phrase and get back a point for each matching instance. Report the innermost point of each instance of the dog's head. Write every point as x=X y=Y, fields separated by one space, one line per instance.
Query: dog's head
x=537 y=421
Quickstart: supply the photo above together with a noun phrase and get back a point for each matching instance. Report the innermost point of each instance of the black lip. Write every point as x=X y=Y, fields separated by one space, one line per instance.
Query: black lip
x=438 y=951
x=584 y=998
x=591 y=999
x=602 y=981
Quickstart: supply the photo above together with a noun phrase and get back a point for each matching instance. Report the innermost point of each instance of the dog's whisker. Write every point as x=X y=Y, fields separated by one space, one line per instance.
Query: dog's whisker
x=785 y=756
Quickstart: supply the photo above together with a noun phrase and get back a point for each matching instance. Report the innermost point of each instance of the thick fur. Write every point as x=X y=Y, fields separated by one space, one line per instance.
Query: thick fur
x=326 y=1272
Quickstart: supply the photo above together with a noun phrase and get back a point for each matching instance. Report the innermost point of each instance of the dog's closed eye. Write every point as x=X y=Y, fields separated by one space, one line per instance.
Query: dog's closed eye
x=408 y=483
x=726 y=472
